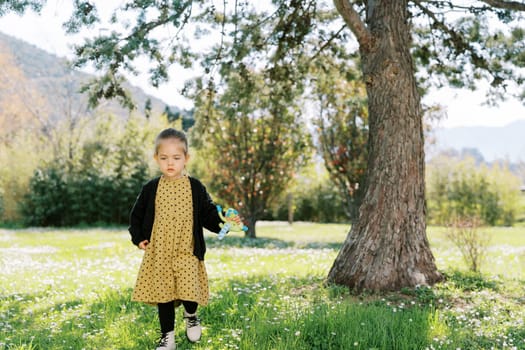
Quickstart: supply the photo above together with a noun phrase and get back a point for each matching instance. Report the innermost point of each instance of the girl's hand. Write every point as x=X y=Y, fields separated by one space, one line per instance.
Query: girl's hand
x=143 y=244
x=237 y=219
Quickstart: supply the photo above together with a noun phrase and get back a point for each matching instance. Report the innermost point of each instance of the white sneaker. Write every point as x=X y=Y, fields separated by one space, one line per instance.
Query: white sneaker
x=167 y=341
x=193 y=327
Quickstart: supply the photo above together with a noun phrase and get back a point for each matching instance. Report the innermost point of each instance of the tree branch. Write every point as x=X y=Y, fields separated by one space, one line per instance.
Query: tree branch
x=354 y=22
x=327 y=43
x=458 y=41
x=508 y=5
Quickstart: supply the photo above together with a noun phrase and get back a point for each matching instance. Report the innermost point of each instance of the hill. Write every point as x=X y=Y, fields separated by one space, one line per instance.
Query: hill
x=507 y=142
x=48 y=88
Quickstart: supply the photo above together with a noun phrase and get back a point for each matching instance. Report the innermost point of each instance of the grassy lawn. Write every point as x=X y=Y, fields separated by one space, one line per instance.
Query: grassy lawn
x=70 y=289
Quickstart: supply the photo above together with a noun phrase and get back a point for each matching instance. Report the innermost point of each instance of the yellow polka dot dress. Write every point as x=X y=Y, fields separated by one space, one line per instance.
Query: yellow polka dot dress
x=169 y=270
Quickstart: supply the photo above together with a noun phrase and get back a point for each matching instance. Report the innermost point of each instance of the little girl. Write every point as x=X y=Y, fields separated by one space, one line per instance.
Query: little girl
x=167 y=221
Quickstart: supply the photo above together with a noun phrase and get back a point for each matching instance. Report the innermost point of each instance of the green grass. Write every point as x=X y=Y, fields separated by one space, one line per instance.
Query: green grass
x=70 y=289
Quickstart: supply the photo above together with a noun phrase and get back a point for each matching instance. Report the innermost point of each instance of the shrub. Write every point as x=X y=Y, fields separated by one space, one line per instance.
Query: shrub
x=46 y=203
x=464 y=234
x=321 y=203
x=98 y=186
x=1 y=202
x=460 y=189
x=314 y=199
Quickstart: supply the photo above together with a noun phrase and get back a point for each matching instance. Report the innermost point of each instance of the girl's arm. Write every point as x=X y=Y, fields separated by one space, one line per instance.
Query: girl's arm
x=210 y=216
x=136 y=218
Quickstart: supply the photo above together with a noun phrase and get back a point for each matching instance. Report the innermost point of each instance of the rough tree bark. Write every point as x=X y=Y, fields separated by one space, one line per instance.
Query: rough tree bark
x=387 y=248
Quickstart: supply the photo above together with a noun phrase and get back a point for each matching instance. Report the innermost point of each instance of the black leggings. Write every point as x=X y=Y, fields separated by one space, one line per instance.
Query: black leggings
x=167 y=314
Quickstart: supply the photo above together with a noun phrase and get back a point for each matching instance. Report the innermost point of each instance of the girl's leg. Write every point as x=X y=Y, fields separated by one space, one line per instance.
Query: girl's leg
x=166 y=316
x=190 y=306
x=193 y=325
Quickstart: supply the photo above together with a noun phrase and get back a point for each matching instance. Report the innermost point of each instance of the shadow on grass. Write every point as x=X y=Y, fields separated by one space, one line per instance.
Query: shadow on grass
x=265 y=313
x=20 y=327
x=267 y=243
x=111 y=321
x=245 y=313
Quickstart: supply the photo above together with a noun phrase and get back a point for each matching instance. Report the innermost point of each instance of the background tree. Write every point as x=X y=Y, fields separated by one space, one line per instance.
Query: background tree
x=464 y=188
x=387 y=248
x=314 y=197
x=249 y=114
x=342 y=127
x=97 y=186
x=251 y=129
x=24 y=133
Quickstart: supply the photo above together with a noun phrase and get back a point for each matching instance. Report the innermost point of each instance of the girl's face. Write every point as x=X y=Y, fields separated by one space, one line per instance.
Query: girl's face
x=171 y=158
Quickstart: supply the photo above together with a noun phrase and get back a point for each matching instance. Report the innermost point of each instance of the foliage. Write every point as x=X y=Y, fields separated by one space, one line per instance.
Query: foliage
x=319 y=203
x=23 y=132
x=186 y=118
x=20 y=6
x=314 y=197
x=473 y=244
x=2 y=205
x=459 y=50
x=269 y=296
x=99 y=185
x=484 y=43
x=471 y=281
x=521 y=208
x=342 y=127
x=460 y=189
x=46 y=120
x=18 y=160
x=249 y=118
x=254 y=142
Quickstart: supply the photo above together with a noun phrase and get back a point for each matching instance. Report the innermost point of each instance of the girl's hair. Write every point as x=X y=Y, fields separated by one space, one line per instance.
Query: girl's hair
x=169 y=134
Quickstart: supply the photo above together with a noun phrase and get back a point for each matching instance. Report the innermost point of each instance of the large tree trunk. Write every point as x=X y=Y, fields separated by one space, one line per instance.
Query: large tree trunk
x=387 y=247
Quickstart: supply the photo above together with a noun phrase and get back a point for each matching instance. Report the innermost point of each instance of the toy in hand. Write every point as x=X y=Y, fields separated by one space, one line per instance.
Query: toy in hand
x=230 y=222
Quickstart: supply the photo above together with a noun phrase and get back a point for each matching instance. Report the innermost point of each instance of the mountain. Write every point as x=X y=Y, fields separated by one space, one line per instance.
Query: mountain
x=46 y=84
x=506 y=142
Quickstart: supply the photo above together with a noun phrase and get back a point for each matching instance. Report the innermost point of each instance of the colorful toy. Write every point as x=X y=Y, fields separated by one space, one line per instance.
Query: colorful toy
x=230 y=224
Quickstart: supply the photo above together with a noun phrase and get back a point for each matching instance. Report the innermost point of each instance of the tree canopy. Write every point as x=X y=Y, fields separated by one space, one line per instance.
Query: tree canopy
x=455 y=42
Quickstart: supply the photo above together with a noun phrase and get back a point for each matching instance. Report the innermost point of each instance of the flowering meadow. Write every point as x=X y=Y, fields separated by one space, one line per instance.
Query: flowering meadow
x=70 y=289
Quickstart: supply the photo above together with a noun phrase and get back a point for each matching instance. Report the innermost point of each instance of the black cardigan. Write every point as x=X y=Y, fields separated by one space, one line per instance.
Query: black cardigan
x=204 y=215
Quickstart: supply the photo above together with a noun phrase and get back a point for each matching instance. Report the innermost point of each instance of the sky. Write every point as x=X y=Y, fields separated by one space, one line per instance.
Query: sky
x=464 y=108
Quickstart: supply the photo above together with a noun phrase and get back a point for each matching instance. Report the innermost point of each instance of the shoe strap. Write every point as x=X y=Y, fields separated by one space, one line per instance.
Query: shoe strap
x=163 y=339
x=192 y=320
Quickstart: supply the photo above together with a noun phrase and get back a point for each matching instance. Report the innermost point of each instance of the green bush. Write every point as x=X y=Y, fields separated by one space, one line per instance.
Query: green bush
x=321 y=204
x=460 y=189
x=46 y=203
x=98 y=186
x=314 y=199
x=2 y=209
x=56 y=198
